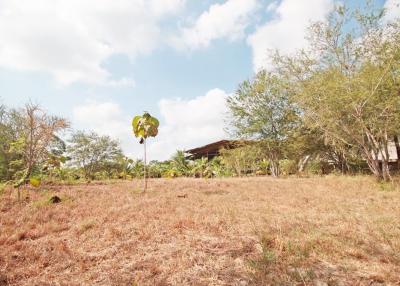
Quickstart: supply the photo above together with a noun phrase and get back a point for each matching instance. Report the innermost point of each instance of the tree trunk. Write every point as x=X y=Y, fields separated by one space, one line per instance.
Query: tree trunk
x=385 y=161
x=144 y=167
x=371 y=155
x=342 y=162
x=385 y=171
x=274 y=161
x=274 y=168
x=302 y=163
x=374 y=166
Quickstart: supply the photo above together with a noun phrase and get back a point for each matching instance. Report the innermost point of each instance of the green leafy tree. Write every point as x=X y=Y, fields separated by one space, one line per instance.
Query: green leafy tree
x=8 y=135
x=200 y=167
x=93 y=153
x=38 y=132
x=243 y=160
x=56 y=158
x=261 y=109
x=347 y=84
x=145 y=126
x=158 y=169
x=124 y=167
x=137 y=169
x=180 y=163
x=27 y=136
x=218 y=167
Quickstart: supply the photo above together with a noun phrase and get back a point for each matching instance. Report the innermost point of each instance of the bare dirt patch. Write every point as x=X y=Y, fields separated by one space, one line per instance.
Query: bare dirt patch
x=251 y=231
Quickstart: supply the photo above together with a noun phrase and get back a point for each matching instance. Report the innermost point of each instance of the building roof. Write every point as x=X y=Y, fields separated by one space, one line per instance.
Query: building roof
x=211 y=150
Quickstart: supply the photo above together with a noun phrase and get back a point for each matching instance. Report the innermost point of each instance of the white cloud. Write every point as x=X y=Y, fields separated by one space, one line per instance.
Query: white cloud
x=106 y=118
x=392 y=10
x=71 y=39
x=165 y=7
x=228 y=20
x=287 y=28
x=120 y=82
x=184 y=124
x=272 y=6
x=189 y=123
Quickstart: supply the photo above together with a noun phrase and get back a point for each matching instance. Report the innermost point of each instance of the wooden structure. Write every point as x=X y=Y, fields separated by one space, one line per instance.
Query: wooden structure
x=394 y=154
x=212 y=150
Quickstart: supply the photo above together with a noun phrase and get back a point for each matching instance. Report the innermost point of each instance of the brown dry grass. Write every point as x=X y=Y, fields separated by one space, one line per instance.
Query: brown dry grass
x=252 y=231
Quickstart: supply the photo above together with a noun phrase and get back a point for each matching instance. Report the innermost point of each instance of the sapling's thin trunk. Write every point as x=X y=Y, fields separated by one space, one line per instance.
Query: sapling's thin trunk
x=144 y=167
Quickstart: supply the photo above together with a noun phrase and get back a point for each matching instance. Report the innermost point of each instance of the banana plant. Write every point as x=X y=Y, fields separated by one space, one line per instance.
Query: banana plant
x=145 y=126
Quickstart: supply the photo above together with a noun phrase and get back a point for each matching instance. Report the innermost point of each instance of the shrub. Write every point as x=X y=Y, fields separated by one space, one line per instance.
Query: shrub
x=319 y=167
x=288 y=167
x=2 y=188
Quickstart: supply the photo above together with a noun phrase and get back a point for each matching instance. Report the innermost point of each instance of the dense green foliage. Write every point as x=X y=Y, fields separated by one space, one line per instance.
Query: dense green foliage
x=30 y=143
x=145 y=126
x=342 y=91
x=95 y=154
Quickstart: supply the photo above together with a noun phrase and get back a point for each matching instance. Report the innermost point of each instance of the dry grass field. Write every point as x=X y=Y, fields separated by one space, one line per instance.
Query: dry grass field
x=251 y=231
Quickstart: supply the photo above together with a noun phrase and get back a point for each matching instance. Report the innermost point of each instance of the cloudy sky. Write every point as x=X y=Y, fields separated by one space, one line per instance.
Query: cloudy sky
x=100 y=62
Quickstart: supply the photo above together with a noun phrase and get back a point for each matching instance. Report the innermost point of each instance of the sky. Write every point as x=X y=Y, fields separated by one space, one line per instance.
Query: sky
x=98 y=63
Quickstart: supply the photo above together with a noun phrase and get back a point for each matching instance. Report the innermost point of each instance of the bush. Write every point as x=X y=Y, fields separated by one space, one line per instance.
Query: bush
x=2 y=188
x=319 y=167
x=263 y=168
x=287 y=167
x=171 y=173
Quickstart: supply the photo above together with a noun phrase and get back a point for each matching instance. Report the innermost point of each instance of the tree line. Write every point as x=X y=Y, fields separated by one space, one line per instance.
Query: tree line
x=32 y=147
x=332 y=107
x=338 y=100
x=35 y=148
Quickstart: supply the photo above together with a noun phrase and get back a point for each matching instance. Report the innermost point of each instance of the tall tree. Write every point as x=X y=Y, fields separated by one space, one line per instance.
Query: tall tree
x=261 y=109
x=27 y=135
x=180 y=163
x=92 y=152
x=39 y=131
x=348 y=82
x=10 y=132
x=4 y=145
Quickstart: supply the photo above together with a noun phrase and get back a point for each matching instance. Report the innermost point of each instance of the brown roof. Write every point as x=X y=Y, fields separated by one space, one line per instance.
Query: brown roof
x=213 y=149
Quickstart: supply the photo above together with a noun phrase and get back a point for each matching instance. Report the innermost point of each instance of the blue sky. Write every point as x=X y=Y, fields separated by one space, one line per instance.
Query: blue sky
x=100 y=62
